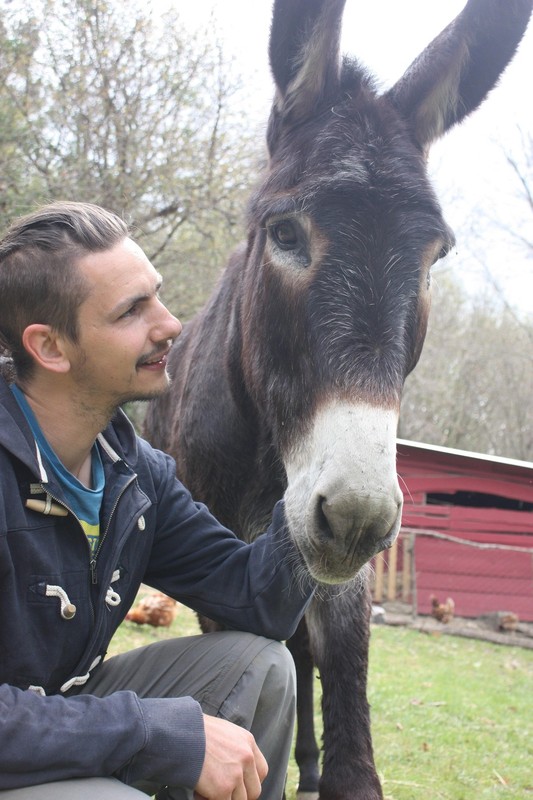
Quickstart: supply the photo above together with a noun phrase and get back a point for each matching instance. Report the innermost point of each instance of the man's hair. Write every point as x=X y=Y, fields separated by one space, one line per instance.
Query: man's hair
x=39 y=279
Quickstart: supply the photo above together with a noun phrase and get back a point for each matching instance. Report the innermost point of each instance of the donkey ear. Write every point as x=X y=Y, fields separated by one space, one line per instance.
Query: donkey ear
x=304 y=54
x=453 y=75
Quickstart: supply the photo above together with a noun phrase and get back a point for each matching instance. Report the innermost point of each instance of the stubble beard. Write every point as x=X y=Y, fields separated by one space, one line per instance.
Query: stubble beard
x=90 y=402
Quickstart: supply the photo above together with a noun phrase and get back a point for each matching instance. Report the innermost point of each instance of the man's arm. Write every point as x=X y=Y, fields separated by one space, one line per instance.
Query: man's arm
x=44 y=739
x=263 y=587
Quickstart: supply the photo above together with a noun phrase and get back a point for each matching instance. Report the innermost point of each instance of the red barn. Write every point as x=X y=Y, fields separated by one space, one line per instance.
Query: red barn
x=481 y=500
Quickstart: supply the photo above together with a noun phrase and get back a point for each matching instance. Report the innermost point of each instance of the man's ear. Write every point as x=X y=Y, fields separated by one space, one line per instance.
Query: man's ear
x=46 y=347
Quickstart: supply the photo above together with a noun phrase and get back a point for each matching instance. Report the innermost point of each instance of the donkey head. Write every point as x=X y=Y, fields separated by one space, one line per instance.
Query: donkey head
x=344 y=231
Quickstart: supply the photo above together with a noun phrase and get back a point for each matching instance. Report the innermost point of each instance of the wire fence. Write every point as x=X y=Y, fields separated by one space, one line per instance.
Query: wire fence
x=431 y=572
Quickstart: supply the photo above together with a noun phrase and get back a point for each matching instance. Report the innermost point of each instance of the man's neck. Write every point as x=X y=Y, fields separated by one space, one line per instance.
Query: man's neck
x=69 y=428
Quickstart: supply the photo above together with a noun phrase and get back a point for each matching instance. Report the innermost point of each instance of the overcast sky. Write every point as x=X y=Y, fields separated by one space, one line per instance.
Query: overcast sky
x=468 y=166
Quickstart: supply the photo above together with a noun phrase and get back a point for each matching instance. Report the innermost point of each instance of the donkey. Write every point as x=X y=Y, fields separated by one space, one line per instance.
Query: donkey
x=288 y=383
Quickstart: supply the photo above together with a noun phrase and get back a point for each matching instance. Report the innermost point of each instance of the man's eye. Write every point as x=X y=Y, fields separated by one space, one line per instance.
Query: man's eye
x=130 y=312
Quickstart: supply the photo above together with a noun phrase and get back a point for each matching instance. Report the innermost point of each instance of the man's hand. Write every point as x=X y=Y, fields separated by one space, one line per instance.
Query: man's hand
x=234 y=766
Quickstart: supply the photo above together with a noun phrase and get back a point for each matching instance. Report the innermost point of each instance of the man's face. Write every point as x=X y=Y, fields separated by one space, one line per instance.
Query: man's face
x=125 y=330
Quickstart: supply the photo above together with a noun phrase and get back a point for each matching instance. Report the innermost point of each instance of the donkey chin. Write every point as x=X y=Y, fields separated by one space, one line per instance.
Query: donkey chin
x=342 y=558
x=343 y=501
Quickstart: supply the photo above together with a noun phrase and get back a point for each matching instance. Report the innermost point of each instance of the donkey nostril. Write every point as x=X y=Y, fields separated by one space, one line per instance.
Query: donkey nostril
x=325 y=532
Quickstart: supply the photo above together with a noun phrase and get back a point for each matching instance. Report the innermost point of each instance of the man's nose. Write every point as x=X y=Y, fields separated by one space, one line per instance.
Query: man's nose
x=176 y=326
x=169 y=326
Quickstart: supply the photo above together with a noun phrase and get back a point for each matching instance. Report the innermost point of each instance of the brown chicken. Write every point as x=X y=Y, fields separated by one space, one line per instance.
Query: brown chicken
x=443 y=612
x=155 y=609
x=508 y=621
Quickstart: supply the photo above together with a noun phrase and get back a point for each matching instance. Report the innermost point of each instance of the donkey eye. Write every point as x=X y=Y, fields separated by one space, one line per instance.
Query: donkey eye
x=289 y=243
x=443 y=252
x=284 y=234
x=448 y=245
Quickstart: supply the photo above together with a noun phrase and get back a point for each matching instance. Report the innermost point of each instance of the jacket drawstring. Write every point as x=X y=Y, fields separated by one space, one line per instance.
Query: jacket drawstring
x=68 y=609
x=113 y=598
x=79 y=680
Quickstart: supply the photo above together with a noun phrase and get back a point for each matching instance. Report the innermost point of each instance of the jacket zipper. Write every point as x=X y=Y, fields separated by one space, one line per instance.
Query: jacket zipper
x=92 y=563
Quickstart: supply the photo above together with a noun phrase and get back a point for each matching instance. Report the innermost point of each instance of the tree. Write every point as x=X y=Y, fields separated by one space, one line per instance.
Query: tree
x=473 y=386
x=103 y=102
x=521 y=164
x=16 y=184
x=499 y=237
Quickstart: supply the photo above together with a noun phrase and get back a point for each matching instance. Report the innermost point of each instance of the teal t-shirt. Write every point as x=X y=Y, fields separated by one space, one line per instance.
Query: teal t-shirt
x=84 y=502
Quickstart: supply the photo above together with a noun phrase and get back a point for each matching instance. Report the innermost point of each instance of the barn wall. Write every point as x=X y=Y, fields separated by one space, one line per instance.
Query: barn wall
x=478 y=580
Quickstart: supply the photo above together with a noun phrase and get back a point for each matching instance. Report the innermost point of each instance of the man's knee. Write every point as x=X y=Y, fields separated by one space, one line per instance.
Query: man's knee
x=275 y=672
x=265 y=687
x=280 y=664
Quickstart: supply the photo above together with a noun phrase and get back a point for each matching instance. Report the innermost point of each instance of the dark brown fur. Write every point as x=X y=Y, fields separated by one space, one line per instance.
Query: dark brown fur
x=330 y=307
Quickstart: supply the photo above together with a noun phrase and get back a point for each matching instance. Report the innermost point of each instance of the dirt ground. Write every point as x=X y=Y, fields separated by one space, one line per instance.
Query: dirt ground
x=485 y=628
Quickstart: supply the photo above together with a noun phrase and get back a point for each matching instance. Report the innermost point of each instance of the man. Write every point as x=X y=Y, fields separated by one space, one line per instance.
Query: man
x=88 y=511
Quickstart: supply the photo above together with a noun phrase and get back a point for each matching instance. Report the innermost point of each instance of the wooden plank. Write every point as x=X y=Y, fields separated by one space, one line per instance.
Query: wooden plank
x=378 y=580
x=491 y=519
x=455 y=559
x=439 y=583
x=407 y=548
x=437 y=482
x=523 y=540
x=434 y=518
x=479 y=581
x=392 y=564
x=436 y=478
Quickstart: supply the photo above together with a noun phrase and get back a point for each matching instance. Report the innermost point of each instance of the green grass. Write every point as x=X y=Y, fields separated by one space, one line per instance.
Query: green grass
x=452 y=718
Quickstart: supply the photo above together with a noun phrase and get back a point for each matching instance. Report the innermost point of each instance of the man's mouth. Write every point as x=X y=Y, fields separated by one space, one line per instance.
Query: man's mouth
x=158 y=361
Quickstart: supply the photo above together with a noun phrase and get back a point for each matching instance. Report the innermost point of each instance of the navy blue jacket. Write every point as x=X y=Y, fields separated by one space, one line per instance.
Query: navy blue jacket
x=152 y=532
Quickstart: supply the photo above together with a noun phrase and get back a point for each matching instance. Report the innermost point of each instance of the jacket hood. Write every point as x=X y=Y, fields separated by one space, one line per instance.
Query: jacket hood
x=16 y=435
x=121 y=436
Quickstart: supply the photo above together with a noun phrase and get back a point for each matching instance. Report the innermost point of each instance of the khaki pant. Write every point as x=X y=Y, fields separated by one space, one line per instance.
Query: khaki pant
x=243 y=678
